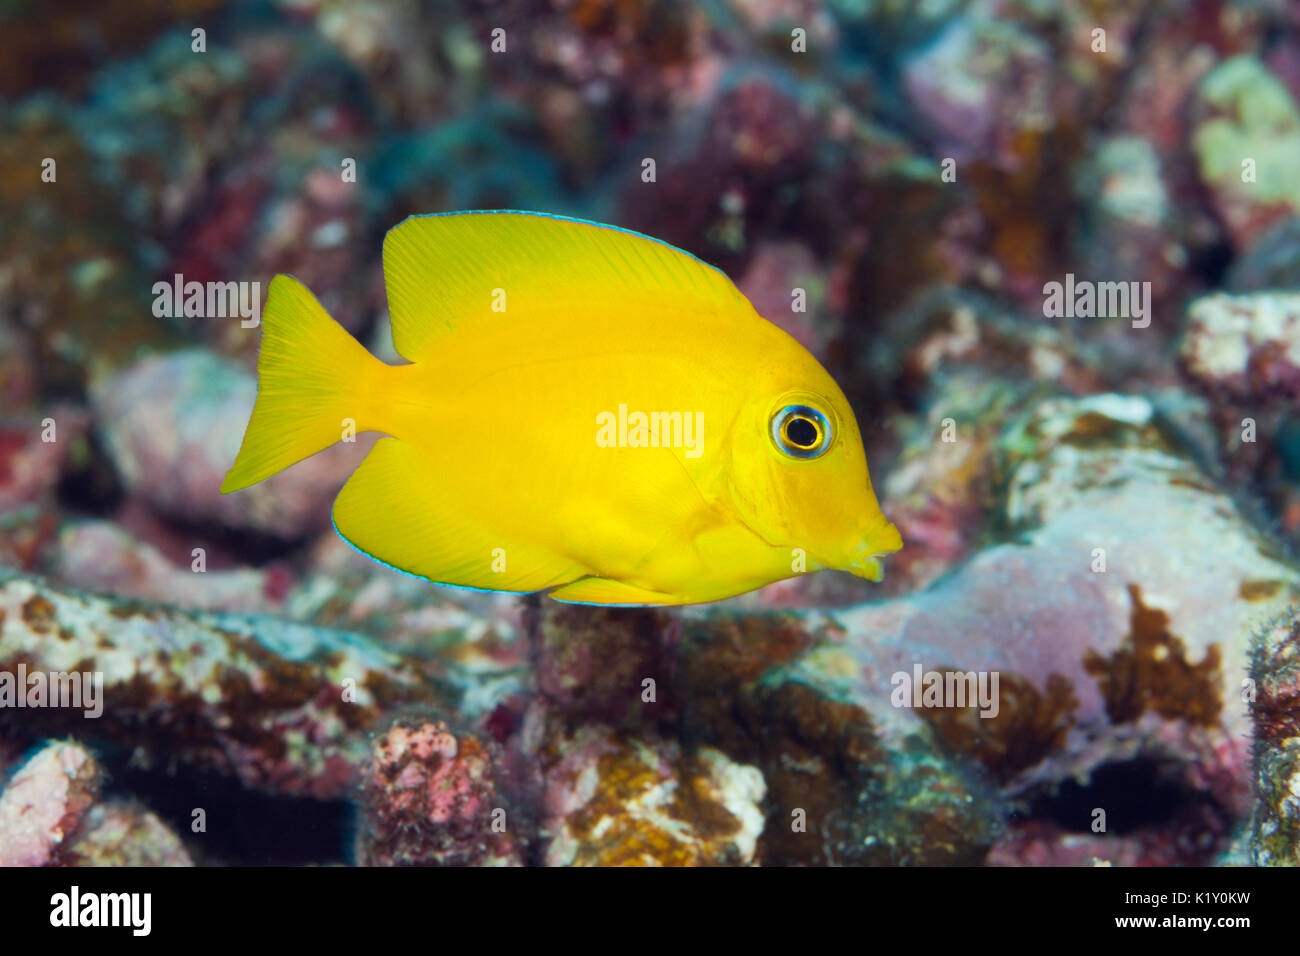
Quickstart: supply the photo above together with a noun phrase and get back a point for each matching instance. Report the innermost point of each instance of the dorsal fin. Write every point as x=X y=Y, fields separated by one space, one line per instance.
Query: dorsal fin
x=443 y=271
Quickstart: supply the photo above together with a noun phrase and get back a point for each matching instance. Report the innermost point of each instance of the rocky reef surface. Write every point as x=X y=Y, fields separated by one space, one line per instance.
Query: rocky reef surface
x=1100 y=504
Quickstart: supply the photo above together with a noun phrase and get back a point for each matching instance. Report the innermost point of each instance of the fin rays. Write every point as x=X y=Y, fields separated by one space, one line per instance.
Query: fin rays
x=443 y=271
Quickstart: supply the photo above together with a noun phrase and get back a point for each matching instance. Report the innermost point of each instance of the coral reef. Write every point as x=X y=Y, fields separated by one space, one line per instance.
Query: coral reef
x=1245 y=141
x=101 y=556
x=45 y=802
x=1273 y=695
x=621 y=802
x=1243 y=351
x=429 y=799
x=51 y=814
x=116 y=833
x=281 y=706
x=1099 y=510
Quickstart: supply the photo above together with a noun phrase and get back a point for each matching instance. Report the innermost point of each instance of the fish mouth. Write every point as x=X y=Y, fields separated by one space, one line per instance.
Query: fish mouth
x=864 y=559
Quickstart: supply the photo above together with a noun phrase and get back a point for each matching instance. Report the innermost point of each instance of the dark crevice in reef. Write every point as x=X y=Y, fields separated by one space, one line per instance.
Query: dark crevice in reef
x=89 y=484
x=1211 y=263
x=1143 y=794
x=243 y=827
x=257 y=549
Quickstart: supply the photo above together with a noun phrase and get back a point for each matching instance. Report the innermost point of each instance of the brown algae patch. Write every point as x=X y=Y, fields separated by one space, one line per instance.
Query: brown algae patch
x=1030 y=725
x=39 y=614
x=1259 y=590
x=647 y=812
x=1150 y=671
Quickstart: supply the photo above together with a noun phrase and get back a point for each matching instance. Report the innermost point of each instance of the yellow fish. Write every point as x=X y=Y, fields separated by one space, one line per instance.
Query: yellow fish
x=586 y=409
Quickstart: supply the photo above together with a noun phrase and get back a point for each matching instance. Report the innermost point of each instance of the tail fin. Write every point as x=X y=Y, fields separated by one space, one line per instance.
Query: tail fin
x=311 y=376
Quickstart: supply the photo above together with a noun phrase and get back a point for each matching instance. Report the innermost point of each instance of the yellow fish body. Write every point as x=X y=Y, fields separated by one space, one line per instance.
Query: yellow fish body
x=587 y=410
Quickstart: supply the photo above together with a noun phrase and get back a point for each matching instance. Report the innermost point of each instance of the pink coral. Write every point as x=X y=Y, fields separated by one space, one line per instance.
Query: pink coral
x=430 y=799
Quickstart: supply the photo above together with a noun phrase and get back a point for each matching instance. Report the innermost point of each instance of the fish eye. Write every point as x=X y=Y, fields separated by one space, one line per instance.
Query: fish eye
x=801 y=431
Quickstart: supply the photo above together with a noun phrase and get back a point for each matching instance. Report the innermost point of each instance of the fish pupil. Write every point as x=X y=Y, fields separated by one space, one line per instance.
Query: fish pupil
x=801 y=433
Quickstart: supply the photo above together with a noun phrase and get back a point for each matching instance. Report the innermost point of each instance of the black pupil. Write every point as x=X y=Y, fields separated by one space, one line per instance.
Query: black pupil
x=801 y=432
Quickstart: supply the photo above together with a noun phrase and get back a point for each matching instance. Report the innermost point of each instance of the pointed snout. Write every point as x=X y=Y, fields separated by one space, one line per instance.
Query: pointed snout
x=882 y=539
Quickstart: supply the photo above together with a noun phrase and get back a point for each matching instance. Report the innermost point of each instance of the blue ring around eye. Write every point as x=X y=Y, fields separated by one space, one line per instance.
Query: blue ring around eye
x=823 y=425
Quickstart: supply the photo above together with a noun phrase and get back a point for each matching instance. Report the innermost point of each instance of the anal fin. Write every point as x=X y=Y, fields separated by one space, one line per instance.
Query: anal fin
x=607 y=591
x=395 y=510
